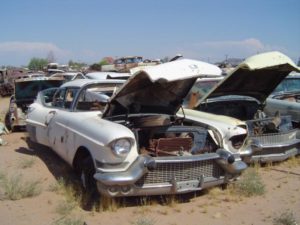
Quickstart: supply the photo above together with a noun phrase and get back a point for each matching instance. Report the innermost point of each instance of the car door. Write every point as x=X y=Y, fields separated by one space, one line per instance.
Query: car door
x=37 y=116
x=57 y=121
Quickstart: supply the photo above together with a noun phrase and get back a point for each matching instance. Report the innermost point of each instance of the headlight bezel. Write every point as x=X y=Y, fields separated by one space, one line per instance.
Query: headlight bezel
x=121 y=147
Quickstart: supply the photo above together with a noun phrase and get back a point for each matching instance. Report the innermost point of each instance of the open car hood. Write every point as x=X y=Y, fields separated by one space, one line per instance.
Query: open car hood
x=256 y=77
x=159 y=89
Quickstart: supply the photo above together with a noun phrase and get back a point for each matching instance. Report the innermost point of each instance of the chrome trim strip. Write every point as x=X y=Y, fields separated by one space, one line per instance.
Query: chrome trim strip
x=164 y=189
x=275 y=157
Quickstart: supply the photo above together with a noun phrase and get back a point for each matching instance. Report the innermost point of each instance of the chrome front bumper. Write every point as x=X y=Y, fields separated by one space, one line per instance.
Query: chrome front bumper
x=276 y=147
x=170 y=175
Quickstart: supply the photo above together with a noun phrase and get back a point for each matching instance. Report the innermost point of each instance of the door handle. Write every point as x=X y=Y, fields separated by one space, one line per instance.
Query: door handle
x=49 y=118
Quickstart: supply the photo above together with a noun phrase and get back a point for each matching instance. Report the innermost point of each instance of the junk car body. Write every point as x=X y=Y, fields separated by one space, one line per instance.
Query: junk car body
x=241 y=95
x=234 y=131
x=286 y=99
x=68 y=76
x=107 y=75
x=25 y=92
x=136 y=145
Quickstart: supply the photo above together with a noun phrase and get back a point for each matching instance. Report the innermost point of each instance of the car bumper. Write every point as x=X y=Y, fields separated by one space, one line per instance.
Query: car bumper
x=170 y=175
x=276 y=147
x=17 y=119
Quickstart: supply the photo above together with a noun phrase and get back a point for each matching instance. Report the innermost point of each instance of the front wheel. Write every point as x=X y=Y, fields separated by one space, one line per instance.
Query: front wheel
x=87 y=172
x=90 y=192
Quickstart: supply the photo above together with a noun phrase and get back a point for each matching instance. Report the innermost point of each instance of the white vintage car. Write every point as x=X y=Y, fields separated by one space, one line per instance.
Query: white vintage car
x=234 y=132
x=241 y=96
x=136 y=145
x=25 y=91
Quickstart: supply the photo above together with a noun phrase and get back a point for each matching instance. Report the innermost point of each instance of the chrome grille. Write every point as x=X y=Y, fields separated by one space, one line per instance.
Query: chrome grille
x=181 y=171
x=277 y=137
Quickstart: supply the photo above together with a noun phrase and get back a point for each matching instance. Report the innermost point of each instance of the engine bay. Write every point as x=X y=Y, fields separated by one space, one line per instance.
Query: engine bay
x=164 y=135
x=251 y=112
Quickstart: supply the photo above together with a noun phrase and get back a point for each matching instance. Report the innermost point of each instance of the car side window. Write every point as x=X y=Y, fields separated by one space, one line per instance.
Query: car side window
x=47 y=97
x=58 y=98
x=64 y=98
x=90 y=100
x=69 y=97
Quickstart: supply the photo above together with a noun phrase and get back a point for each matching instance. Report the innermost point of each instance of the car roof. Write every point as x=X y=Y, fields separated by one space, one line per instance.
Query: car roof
x=82 y=82
x=25 y=79
x=104 y=75
x=65 y=74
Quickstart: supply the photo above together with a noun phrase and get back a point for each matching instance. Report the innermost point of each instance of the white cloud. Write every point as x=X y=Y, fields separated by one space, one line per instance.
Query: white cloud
x=218 y=50
x=34 y=47
x=19 y=52
x=250 y=43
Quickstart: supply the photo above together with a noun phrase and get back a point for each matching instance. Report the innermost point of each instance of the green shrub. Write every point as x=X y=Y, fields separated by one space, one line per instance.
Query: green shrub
x=250 y=184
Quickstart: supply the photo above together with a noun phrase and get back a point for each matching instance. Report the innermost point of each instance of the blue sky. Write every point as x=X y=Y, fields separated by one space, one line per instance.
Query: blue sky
x=87 y=31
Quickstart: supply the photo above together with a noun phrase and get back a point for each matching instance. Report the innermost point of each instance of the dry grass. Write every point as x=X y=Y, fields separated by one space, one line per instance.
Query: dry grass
x=2 y=116
x=172 y=201
x=26 y=163
x=16 y=188
x=286 y=218
x=215 y=192
x=75 y=198
x=69 y=221
x=65 y=207
x=144 y=221
x=217 y=195
x=72 y=197
x=59 y=186
x=292 y=162
x=108 y=204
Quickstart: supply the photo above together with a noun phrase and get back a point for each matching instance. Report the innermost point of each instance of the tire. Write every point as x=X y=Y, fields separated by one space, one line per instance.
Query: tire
x=87 y=172
x=7 y=122
x=90 y=196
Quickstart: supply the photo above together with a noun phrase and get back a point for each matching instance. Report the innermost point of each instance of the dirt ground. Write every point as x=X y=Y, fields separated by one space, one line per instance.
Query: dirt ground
x=217 y=206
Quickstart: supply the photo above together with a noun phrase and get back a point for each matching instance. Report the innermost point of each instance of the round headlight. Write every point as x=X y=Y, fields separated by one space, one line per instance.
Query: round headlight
x=121 y=147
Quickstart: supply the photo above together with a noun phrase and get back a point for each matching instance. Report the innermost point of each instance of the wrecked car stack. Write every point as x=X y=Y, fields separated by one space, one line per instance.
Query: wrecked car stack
x=137 y=145
x=132 y=138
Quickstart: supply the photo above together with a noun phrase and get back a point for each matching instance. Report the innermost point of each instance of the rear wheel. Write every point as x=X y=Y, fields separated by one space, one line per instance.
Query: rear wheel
x=7 y=121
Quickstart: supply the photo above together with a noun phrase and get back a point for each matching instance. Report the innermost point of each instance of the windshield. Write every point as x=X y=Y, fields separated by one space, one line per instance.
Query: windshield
x=28 y=90
x=96 y=96
x=288 y=84
x=199 y=89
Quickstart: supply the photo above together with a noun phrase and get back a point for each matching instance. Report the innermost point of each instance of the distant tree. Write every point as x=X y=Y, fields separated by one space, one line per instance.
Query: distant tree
x=51 y=57
x=37 y=64
x=298 y=64
x=76 y=65
x=95 y=67
x=106 y=61
x=103 y=62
